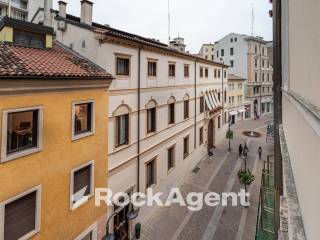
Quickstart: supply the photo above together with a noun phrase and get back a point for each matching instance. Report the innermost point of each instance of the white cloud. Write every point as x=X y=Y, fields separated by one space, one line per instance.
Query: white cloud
x=198 y=21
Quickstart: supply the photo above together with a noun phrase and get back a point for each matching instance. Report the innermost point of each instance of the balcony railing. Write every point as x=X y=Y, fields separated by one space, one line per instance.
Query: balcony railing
x=265 y=218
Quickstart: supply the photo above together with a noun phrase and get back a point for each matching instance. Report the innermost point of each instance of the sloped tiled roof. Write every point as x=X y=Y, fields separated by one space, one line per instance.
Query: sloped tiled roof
x=55 y=63
x=235 y=77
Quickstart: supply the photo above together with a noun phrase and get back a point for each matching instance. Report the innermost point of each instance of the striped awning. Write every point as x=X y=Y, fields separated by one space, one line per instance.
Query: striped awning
x=233 y=113
x=208 y=103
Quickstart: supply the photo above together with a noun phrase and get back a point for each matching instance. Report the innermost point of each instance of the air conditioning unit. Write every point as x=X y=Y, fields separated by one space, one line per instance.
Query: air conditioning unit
x=62 y=25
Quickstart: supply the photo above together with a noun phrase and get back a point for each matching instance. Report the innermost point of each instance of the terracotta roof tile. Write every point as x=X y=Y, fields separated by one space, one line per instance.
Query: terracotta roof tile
x=57 y=62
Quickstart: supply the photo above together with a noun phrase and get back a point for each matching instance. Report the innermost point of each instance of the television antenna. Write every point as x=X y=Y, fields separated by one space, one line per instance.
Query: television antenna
x=169 y=21
x=252 y=19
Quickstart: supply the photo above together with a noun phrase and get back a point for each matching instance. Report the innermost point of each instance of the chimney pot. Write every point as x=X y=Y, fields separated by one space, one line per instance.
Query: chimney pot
x=86 y=12
x=62 y=9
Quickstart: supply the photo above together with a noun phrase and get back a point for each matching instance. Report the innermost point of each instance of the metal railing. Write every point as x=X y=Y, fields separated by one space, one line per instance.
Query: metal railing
x=265 y=216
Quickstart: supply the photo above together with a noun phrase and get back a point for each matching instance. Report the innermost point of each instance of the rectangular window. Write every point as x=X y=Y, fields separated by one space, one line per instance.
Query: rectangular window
x=215 y=73
x=123 y=66
x=152 y=69
x=151 y=173
x=172 y=70
x=219 y=96
x=171 y=158
x=219 y=122
x=225 y=74
x=222 y=52
x=263 y=77
x=171 y=113
x=122 y=130
x=231 y=63
x=256 y=62
x=186 y=109
x=29 y=39
x=201 y=72
x=256 y=77
x=21 y=215
x=22 y=132
x=185 y=147
x=89 y=234
x=151 y=121
x=219 y=73
x=239 y=85
x=201 y=136
x=186 y=70
x=231 y=51
x=217 y=54
x=83 y=119
x=206 y=73
x=81 y=184
x=201 y=104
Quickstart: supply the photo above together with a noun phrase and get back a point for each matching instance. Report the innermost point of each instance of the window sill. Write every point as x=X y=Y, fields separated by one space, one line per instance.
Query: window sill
x=81 y=135
x=171 y=170
x=29 y=235
x=81 y=202
x=151 y=186
x=23 y=153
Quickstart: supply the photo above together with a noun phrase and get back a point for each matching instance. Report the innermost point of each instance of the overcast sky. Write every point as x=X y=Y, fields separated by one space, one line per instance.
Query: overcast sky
x=198 y=21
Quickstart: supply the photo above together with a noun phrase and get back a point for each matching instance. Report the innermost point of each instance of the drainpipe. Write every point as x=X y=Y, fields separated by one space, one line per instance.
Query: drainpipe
x=195 y=104
x=138 y=128
x=260 y=67
x=223 y=94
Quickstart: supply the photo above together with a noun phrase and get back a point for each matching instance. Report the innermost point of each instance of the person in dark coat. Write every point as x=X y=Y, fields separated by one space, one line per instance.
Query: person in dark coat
x=245 y=150
x=240 y=150
x=260 y=152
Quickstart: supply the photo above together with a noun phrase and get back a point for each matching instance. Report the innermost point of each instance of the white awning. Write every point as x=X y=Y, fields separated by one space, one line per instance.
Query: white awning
x=233 y=113
x=217 y=99
x=242 y=110
x=214 y=104
x=209 y=105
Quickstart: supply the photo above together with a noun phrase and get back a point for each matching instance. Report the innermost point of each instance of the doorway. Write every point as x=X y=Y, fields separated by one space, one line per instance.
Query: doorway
x=211 y=135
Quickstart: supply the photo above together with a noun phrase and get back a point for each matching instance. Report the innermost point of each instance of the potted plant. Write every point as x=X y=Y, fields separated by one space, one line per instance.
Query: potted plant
x=246 y=177
x=229 y=134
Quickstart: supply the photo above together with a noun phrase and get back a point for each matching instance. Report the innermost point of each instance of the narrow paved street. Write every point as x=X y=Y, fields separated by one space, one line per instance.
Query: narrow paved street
x=217 y=175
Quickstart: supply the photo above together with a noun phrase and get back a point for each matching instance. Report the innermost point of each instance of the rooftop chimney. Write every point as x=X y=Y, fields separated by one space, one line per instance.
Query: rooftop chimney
x=86 y=12
x=62 y=9
x=47 y=13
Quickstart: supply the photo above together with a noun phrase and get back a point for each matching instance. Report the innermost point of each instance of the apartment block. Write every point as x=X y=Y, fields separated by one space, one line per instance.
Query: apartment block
x=248 y=57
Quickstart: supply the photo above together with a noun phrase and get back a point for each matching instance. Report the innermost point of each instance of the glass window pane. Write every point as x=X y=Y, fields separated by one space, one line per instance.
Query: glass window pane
x=82 y=118
x=22 y=130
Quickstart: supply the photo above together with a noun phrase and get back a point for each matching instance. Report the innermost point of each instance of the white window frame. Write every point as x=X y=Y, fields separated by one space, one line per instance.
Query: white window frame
x=74 y=206
x=11 y=156
x=36 y=189
x=74 y=136
x=93 y=228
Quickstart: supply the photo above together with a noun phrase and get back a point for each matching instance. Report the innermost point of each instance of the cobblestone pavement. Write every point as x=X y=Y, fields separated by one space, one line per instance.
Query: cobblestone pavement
x=216 y=175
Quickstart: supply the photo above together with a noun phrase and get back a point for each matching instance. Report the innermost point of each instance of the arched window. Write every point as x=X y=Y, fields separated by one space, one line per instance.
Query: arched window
x=186 y=106
x=121 y=116
x=151 y=116
x=171 y=110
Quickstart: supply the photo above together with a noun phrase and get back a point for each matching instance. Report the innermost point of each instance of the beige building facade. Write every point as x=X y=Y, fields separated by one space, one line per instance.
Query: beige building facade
x=167 y=108
x=236 y=97
x=249 y=58
x=297 y=67
x=207 y=51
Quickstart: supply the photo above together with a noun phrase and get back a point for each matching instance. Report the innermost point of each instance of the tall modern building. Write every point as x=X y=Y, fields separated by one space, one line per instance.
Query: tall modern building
x=248 y=58
x=297 y=118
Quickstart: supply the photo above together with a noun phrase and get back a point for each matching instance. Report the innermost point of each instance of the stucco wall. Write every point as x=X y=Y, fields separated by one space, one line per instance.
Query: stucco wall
x=51 y=167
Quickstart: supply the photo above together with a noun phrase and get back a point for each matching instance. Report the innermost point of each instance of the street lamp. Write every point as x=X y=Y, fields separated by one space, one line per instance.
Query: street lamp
x=132 y=214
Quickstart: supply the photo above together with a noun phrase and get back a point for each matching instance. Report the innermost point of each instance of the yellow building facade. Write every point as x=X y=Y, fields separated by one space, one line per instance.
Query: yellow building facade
x=236 y=98
x=53 y=129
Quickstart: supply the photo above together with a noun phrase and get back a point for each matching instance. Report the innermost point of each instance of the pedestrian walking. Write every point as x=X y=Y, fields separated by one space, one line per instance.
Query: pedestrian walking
x=240 y=150
x=245 y=150
x=260 y=152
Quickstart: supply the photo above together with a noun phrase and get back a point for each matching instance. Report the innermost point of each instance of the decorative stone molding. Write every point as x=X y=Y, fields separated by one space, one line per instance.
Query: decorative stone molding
x=292 y=226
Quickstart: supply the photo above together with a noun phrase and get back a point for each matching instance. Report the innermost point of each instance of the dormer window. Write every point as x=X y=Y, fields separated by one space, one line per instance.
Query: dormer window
x=29 y=39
